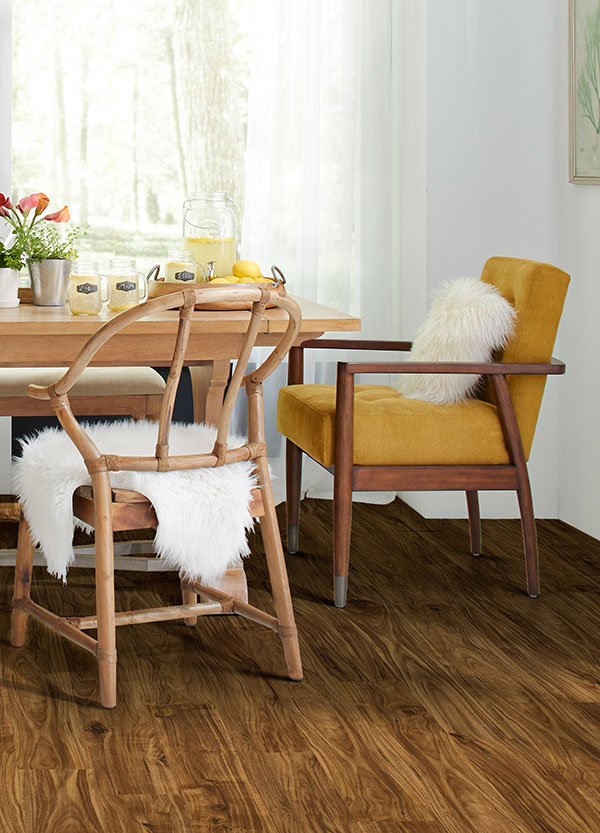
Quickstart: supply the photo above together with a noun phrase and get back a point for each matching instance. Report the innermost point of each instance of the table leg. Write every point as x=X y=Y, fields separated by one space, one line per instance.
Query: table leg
x=208 y=390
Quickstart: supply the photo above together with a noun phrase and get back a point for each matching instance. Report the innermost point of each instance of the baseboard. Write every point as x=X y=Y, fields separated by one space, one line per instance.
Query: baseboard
x=357 y=497
x=492 y=504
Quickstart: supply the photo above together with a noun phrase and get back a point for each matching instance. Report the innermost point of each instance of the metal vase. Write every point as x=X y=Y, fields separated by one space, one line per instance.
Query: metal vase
x=49 y=281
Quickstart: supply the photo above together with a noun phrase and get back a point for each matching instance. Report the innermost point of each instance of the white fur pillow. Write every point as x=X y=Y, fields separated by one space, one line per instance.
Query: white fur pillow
x=467 y=321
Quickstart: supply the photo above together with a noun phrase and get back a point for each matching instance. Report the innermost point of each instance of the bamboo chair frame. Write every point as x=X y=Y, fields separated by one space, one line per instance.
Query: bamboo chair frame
x=110 y=509
x=349 y=477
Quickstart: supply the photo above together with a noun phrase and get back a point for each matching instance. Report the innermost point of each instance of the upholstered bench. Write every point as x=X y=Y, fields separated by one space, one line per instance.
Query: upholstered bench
x=101 y=391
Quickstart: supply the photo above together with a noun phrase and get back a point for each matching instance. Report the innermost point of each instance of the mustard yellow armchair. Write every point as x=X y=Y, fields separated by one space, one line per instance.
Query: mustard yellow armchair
x=372 y=438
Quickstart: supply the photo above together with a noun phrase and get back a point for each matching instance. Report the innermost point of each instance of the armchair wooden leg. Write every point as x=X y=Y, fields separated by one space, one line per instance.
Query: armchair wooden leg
x=105 y=591
x=342 y=482
x=342 y=523
x=513 y=438
x=474 y=522
x=22 y=590
x=293 y=485
x=532 y=566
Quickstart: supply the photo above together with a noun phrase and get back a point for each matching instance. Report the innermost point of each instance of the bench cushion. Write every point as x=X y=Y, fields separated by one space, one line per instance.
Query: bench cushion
x=94 y=381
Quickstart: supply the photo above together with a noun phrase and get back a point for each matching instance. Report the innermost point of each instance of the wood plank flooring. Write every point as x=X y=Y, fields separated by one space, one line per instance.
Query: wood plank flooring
x=441 y=700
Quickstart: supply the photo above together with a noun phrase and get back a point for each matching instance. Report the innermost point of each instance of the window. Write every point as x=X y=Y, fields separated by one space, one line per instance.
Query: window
x=121 y=109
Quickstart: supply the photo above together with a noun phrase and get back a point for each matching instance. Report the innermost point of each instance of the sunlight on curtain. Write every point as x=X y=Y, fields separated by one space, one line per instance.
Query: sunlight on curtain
x=335 y=170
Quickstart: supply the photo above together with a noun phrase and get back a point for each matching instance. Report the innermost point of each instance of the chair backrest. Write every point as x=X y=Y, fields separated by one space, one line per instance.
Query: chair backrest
x=537 y=291
x=184 y=301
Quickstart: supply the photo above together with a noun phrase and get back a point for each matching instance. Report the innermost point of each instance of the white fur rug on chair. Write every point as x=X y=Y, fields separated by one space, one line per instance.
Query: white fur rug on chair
x=203 y=514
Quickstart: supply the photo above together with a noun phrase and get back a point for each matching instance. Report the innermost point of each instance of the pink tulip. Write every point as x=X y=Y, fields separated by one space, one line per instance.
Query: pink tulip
x=43 y=202
x=61 y=216
x=27 y=203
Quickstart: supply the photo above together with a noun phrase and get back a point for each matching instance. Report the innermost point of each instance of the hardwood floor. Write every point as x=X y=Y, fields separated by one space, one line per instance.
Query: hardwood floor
x=441 y=700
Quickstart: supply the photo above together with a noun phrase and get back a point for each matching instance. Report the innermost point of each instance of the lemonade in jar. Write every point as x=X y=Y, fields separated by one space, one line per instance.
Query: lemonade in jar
x=210 y=232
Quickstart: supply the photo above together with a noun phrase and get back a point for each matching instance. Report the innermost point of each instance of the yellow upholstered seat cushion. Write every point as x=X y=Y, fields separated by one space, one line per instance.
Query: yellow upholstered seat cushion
x=390 y=430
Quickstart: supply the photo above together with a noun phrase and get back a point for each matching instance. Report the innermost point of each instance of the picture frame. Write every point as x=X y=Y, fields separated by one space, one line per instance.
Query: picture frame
x=584 y=91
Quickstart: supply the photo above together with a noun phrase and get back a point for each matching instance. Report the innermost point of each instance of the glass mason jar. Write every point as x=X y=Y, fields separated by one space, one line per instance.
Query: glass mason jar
x=128 y=287
x=210 y=232
x=180 y=267
x=87 y=288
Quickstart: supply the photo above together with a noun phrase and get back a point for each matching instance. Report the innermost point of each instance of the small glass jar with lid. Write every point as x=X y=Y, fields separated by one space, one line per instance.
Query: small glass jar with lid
x=181 y=267
x=210 y=232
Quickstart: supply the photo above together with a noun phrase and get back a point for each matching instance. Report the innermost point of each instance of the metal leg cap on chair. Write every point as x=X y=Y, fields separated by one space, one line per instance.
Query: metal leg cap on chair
x=340 y=590
x=475 y=554
x=533 y=595
x=292 y=538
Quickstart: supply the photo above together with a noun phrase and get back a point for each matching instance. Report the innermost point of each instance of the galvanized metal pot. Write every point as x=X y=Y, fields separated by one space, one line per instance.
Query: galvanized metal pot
x=49 y=281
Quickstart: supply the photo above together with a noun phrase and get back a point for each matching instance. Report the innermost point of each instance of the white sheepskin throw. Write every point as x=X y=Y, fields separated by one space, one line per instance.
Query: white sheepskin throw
x=202 y=514
x=467 y=321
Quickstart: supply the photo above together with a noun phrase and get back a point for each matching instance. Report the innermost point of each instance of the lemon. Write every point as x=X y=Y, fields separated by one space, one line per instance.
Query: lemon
x=246 y=269
x=218 y=280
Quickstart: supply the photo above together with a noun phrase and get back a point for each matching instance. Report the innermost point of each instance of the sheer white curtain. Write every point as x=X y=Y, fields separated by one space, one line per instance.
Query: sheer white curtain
x=335 y=169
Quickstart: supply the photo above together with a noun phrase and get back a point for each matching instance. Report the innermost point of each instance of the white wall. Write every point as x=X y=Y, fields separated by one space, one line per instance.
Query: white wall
x=493 y=153
x=5 y=157
x=579 y=343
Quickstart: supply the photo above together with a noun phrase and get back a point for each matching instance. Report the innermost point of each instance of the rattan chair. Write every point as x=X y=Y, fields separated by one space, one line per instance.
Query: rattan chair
x=372 y=438
x=108 y=509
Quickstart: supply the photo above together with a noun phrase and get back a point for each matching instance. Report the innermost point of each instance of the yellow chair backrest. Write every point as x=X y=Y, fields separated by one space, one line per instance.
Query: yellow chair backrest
x=537 y=291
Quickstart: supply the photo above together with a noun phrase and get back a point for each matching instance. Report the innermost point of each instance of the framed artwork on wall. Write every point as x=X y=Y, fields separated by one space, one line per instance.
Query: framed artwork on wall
x=585 y=91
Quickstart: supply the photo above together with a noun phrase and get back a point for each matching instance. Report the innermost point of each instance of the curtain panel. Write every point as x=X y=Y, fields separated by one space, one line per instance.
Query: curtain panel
x=335 y=170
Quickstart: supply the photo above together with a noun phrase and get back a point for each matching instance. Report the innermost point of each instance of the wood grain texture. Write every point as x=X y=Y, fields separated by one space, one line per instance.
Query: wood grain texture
x=51 y=336
x=440 y=700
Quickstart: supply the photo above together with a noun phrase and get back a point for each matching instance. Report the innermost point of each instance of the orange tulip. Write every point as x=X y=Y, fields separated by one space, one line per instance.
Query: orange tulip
x=61 y=216
x=43 y=202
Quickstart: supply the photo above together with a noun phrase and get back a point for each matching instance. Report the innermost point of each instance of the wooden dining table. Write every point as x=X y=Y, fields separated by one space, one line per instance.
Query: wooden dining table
x=33 y=336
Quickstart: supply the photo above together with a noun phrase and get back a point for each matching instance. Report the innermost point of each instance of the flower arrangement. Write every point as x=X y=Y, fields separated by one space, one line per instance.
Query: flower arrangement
x=36 y=235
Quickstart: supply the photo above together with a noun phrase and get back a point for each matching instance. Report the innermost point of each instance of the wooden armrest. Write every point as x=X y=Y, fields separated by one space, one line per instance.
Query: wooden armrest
x=554 y=368
x=296 y=355
x=356 y=344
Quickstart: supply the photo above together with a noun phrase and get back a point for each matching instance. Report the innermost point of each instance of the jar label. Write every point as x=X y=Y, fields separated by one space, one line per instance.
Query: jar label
x=87 y=288
x=185 y=276
x=126 y=286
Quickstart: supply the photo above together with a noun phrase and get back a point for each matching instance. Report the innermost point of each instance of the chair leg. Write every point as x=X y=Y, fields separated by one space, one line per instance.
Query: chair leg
x=22 y=590
x=474 y=522
x=532 y=567
x=105 y=590
x=342 y=523
x=293 y=485
x=278 y=576
x=189 y=598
